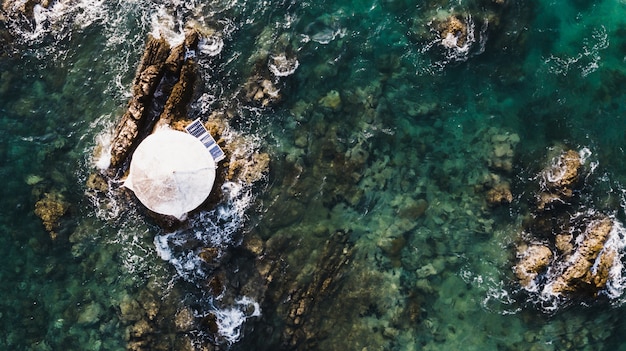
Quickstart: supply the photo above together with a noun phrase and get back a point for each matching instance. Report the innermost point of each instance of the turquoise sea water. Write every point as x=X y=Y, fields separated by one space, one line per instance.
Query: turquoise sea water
x=383 y=134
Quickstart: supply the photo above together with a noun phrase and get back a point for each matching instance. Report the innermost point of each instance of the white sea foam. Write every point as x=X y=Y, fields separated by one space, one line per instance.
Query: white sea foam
x=473 y=43
x=230 y=320
x=166 y=26
x=281 y=66
x=211 y=45
x=103 y=158
x=588 y=58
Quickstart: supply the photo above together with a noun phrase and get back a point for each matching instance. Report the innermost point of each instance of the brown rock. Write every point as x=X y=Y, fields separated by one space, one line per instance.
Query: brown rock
x=50 y=209
x=578 y=276
x=500 y=194
x=564 y=244
x=563 y=172
x=184 y=320
x=532 y=261
x=180 y=97
x=147 y=83
x=559 y=179
x=147 y=78
x=453 y=27
x=209 y=254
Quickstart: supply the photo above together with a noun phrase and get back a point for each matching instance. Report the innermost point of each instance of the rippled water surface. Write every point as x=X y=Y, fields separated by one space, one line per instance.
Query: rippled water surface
x=382 y=150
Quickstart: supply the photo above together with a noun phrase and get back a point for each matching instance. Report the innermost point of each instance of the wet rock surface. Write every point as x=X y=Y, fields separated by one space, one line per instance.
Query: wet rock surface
x=159 y=70
x=575 y=256
x=560 y=179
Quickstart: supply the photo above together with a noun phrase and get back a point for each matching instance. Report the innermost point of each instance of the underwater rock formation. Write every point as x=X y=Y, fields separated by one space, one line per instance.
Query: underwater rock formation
x=304 y=298
x=50 y=209
x=502 y=153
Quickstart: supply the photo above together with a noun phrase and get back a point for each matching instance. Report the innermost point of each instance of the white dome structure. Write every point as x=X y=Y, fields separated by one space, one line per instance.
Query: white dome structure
x=171 y=172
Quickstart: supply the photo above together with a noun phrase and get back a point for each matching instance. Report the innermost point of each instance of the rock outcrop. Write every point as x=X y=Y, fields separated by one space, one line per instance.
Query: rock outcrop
x=533 y=259
x=162 y=89
x=559 y=179
x=453 y=32
x=575 y=256
x=586 y=270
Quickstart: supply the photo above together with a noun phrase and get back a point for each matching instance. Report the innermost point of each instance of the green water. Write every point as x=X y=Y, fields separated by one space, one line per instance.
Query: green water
x=415 y=124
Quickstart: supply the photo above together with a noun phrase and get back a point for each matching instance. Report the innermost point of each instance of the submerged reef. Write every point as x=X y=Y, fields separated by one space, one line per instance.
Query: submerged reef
x=568 y=250
x=50 y=209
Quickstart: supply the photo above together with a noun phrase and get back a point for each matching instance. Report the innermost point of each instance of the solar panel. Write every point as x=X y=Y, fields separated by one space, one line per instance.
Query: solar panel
x=196 y=128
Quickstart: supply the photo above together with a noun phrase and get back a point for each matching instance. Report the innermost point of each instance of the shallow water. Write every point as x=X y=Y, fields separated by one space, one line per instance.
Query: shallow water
x=383 y=134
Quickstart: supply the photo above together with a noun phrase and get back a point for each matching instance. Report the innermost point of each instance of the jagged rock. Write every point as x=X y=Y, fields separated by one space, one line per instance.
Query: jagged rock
x=560 y=178
x=563 y=172
x=50 y=209
x=146 y=84
x=453 y=32
x=148 y=76
x=180 y=97
x=578 y=276
x=532 y=260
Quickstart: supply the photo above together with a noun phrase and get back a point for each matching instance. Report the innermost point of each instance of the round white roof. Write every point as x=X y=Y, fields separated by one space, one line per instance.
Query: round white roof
x=171 y=172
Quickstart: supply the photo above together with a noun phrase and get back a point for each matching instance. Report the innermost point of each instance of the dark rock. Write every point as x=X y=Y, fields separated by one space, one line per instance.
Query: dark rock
x=180 y=97
x=135 y=119
x=304 y=299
